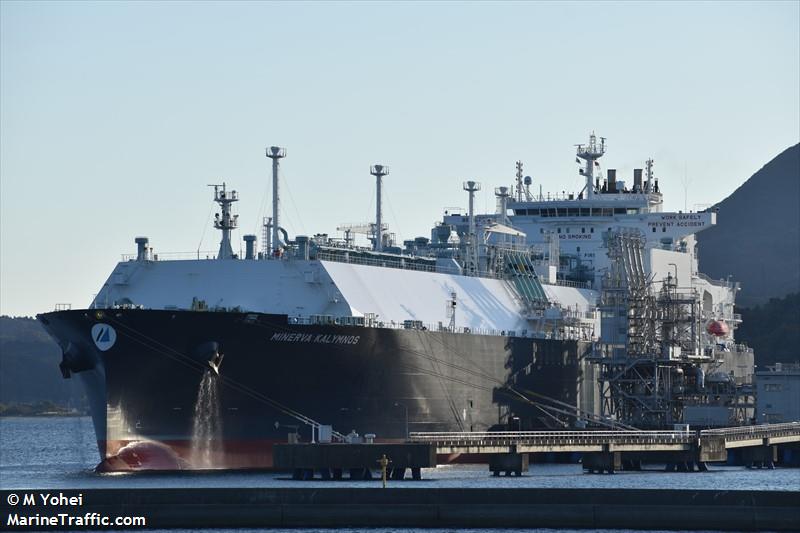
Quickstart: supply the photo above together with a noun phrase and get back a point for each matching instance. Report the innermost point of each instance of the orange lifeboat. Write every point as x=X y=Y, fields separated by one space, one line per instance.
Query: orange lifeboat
x=718 y=328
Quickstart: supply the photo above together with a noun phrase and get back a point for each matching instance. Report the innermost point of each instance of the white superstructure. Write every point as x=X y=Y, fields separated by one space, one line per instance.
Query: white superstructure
x=535 y=267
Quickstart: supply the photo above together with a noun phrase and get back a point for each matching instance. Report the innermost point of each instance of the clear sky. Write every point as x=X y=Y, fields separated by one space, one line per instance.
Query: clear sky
x=115 y=116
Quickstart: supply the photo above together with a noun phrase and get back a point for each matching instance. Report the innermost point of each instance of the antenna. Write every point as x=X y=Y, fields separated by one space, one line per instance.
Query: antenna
x=652 y=181
x=379 y=171
x=520 y=192
x=275 y=153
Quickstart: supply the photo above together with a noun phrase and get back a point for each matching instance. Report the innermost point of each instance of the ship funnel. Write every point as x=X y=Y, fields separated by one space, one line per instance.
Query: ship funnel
x=275 y=153
x=612 y=180
x=249 y=246
x=141 y=248
x=637 y=180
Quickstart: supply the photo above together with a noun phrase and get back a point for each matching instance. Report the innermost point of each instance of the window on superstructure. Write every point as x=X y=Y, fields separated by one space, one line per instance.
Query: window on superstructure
x=620 y=211
x=591 y=230
x=573 y=211
x=561 y=212
x=654 y=229
x=585 y=211
x=583 y=230
x=633 y=211
x=664 y=229
x=567 y=230
x=559 y=230
x=541 y=230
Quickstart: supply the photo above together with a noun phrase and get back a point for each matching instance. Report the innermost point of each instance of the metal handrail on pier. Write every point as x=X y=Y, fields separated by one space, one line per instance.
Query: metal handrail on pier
x=630 y=440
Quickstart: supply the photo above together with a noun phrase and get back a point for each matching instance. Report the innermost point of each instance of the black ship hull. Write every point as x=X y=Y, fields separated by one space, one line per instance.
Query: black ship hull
x=143 y=371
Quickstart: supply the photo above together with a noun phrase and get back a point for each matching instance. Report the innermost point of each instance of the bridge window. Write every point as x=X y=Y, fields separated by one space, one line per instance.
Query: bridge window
x=620 y=211
x=572 y=211
x=633 y=211
x=585 y=212
x=561 y=212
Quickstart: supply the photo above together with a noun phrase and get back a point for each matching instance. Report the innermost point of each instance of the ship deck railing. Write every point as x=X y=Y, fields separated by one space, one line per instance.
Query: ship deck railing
x=173 y=256
x=411 y=325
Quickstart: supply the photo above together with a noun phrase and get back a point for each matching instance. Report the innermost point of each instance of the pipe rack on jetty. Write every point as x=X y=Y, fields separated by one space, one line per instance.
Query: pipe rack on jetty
x=507 y=451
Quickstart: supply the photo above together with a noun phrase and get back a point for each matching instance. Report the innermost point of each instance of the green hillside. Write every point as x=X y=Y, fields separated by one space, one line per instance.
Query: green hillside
x=29 y=366
x=757 y=236
x=773 y=330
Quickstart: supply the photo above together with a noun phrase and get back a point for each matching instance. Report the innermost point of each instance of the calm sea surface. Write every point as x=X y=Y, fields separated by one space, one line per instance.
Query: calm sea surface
x=60 y=453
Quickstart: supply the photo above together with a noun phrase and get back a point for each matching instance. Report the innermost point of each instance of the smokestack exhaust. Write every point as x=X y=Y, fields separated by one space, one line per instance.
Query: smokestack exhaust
x=612 y=180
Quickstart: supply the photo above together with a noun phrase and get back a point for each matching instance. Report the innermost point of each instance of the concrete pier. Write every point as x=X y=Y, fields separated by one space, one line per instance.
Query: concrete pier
x=413 y=507
x=508 y=463
x=330 y=460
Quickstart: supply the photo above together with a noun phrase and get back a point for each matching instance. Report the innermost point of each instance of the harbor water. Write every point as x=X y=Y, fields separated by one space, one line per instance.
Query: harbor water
x=61 y=453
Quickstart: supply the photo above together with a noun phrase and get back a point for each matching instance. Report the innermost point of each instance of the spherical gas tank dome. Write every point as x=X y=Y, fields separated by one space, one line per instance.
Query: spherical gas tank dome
x=718 y=328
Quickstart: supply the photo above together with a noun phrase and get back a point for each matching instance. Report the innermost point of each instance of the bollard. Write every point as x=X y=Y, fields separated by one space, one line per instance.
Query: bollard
x=383 y=462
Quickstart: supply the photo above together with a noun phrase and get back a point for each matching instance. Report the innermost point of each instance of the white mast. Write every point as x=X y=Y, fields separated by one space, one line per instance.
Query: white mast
x=472 y=245
x=276 y=154
x=591 y=152
x=379 y=171
x=225 y=222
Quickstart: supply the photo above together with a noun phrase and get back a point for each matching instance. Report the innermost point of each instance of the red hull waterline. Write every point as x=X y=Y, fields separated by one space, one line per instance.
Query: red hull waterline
x=148 y=455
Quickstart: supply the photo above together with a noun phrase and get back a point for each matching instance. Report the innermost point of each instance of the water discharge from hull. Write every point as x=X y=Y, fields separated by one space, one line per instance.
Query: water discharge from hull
x=207 y=424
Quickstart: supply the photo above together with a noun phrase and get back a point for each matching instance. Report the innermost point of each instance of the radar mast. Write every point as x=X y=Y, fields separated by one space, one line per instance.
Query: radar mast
x=591 y=152
x=226 y=221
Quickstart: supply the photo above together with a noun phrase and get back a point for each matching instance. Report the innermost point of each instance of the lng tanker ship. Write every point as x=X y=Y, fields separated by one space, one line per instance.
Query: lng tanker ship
x=497 y=320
